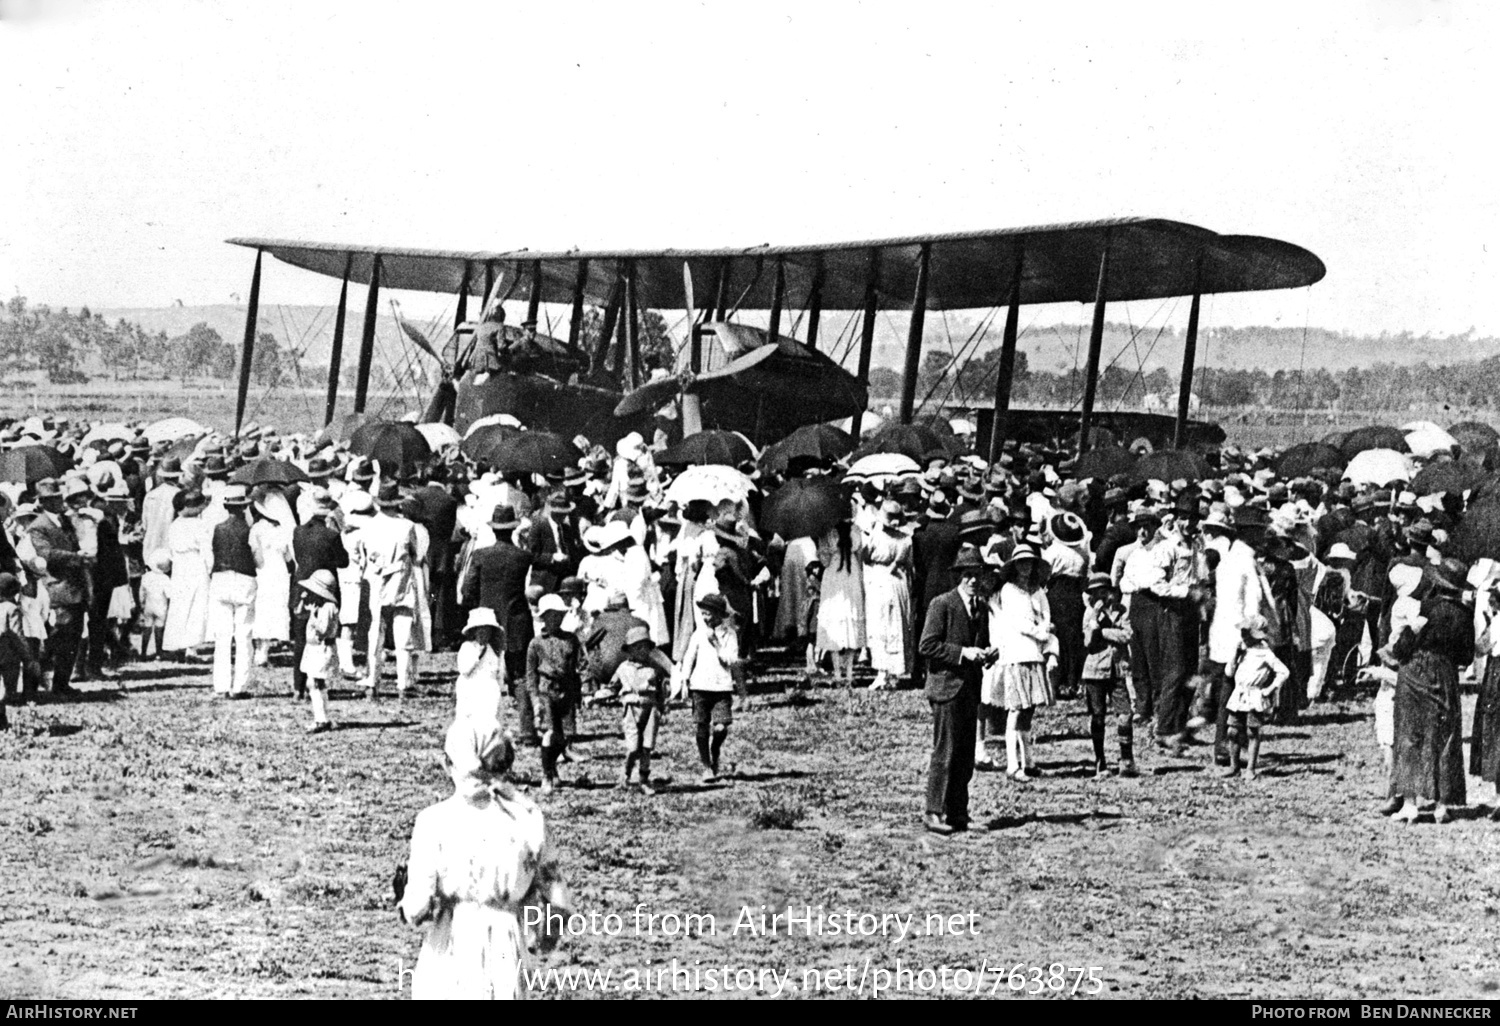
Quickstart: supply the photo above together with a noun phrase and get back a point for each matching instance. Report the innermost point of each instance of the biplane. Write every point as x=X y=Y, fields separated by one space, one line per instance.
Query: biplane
x=765 y=382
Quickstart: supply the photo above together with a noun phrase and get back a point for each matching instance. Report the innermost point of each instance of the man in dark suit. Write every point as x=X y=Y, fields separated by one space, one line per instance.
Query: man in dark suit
x=934 y=547
x=316 y=545
x=497 y=579
x=552 y=542
x=955 y=643
x=439 y=514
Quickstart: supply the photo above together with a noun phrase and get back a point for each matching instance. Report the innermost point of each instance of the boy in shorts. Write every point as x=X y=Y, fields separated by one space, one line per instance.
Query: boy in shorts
x=712 y=671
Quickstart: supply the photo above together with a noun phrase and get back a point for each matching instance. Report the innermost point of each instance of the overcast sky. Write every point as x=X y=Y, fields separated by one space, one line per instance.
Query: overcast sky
x=139 y=135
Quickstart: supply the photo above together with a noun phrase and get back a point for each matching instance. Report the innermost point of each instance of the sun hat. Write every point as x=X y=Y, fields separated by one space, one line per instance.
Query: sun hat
x=610 y=534
x=359 y=502
x=551 y=604
x=323 y=584
x=477 y=752
x=484 y=616
x=1338 y=550
x=160 y=560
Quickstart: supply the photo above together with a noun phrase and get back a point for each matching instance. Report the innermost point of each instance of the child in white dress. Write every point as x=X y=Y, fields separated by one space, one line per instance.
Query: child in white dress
x=1258 y=676
x=320 y=659
x=480 y=689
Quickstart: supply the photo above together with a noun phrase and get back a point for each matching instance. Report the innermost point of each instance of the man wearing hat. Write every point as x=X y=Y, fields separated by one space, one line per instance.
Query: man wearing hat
x=391 y=558
x=497 y=579
x=955 y=642
x=604 y=644
x=934 y=546
x=157 y=512
x=105 y=509
x=231 y=594
x=317 y=545
x=439 y=514
x=51 y=537
x=553 y=542
x=1237 y=597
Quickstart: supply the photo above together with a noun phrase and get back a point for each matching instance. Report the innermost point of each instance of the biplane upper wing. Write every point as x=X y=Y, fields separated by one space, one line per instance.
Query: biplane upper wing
x=1148 y=259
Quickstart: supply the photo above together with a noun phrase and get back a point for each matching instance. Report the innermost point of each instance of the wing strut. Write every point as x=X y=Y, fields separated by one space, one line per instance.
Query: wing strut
x=914 y=337
x=336 y=354
x=247 y=351
x=1096 y=340
x=867 y=332
x=367 y=338
x=1189 y=354
x=1007 y=372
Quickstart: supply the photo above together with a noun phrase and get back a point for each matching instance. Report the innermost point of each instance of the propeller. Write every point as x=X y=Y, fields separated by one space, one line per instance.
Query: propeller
x=655 y=394
x=414 y=333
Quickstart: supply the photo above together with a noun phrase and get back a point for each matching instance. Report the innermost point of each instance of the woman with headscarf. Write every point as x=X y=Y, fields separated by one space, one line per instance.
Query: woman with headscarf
x=1428 y=757
x=1021 y=632
x=479 y=860
x=271 y=544
x=191 y=546
x=886 y=552
x=841 y=599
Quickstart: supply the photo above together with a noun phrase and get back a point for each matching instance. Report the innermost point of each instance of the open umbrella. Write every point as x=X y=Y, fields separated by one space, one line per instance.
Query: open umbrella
x=724 y=448
x=1447 y=476
x=1429 y=439
x=881 y=467
x=487 y=442
x=1104 y=463
x=268 y=471
x=173 y=429
x=342 y=430
x=1478 y=534
x=439 y=436
x=1171 y=465
x=1377 y=436
x=913 y=440
x=28 y=464
x=396 y=444
x=804 y=508
x=710 y=482
x=502 y=419
x=814 y=441
x=1475 y=436
x=526 y=452
x=106 y=433
x=1378 y=467
x=1301 y=460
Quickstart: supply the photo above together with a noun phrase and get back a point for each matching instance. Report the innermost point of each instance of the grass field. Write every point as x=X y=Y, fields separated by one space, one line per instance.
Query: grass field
x=155 y=843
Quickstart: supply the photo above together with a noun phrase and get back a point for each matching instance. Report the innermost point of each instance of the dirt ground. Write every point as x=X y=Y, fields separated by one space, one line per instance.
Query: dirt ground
x=157 y=843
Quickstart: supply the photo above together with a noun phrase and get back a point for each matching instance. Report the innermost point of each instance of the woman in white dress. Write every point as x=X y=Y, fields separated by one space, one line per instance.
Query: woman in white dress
x=478 y=860
x=694 y=550
x=271 y=543
x=637 y=580
x=1021 y=632
x=190 y=543
x=841 y=599
x=886 y=551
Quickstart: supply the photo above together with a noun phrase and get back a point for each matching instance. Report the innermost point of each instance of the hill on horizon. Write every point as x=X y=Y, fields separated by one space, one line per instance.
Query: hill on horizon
x=1048 y=347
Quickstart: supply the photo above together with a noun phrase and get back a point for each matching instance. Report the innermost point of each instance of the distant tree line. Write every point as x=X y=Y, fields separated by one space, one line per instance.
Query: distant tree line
x=1385 y=386
x=64 y=346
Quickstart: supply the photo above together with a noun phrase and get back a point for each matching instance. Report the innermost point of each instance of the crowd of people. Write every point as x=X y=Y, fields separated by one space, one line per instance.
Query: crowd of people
x=1189 y=613
x=1209 y=605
